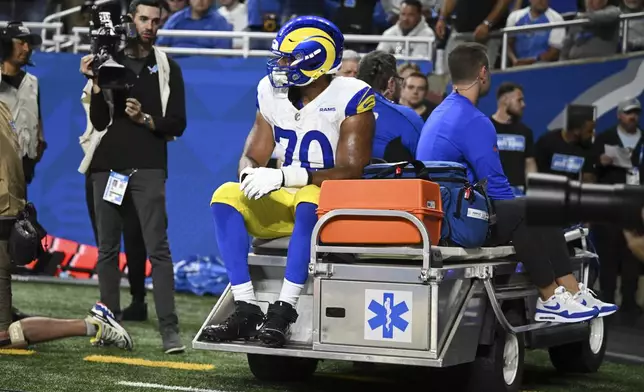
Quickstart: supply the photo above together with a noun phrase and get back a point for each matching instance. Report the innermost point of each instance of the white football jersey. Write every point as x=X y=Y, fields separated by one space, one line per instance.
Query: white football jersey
x=309 y=136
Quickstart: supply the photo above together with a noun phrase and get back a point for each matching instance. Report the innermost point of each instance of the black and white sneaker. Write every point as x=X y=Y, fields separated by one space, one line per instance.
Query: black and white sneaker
x=277 y=328
x=244 y=323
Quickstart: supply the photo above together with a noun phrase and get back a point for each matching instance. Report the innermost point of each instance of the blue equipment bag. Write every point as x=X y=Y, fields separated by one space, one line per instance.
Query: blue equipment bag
x=468 y=218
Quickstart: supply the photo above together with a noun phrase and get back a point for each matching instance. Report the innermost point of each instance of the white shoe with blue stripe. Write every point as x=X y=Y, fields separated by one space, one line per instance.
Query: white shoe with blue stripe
x=587 y=297
x=108 y=331
x=563 y=308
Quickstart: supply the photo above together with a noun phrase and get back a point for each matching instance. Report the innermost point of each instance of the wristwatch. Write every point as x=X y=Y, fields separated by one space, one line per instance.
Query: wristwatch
x=147 y=120
x=487 y=23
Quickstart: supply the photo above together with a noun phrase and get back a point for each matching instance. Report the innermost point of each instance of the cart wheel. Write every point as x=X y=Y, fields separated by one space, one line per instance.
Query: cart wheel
x=274 y=368
x=585 y=356
x=500 y=366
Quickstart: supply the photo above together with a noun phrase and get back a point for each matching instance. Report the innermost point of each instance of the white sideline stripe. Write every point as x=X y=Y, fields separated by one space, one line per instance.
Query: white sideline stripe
x=165 y=387
x=628 y=357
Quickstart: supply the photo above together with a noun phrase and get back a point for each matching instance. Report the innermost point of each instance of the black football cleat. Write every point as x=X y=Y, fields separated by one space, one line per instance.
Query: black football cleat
x=244 y=323
x=17 y=315
x=277 y=327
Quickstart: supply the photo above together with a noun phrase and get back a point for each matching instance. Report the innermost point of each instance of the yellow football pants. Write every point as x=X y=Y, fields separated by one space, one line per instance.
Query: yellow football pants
x=273 y=215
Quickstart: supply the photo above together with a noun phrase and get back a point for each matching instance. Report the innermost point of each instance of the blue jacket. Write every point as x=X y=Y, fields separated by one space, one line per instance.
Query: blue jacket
x=457 y=131
x=212 y=21
x=396 y=126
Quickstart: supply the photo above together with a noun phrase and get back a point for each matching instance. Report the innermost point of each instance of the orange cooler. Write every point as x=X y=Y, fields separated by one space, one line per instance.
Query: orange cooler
x=421 y=198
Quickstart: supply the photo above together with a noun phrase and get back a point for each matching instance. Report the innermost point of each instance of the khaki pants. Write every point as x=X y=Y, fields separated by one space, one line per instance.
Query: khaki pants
x=493 y=47
x=5 y=287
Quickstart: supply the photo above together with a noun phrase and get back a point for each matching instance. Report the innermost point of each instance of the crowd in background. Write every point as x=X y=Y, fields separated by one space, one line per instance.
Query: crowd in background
x=447 y=21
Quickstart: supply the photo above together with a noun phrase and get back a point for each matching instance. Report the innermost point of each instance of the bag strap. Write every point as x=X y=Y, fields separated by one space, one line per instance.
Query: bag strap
x=397 y=168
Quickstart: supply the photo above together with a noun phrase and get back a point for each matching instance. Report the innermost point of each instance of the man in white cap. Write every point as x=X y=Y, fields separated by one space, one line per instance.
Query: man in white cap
x=609 y=240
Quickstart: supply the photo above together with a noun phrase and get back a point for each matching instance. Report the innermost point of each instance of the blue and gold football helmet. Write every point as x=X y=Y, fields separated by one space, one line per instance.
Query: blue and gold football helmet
x=307 y=47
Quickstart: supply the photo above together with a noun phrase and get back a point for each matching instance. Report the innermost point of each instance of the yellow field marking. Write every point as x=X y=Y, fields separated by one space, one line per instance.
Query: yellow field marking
x=16 y=351
x=148 y=363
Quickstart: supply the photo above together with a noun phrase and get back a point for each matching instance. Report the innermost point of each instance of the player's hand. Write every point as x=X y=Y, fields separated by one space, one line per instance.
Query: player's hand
x=260 y=181
x=526 y=61
x=481 y=33
x=133 y=110
x=635 y=244
x=248 y=170
x=440 y=28
x=605 y=160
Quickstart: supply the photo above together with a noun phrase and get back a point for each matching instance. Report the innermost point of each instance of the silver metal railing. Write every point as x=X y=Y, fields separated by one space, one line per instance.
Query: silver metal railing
x=510 y=31
x=246 y=36
x=73 y=41
x=60 y=39
x=57 y=27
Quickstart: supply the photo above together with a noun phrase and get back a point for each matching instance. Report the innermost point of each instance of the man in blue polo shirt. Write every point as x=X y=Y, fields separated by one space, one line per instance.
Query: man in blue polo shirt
x=200 y=15
x=397 y=127
x=457 y=131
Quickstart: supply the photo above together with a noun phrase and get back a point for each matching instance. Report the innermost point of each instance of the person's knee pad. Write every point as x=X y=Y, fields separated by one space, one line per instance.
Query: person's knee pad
x=16 y=334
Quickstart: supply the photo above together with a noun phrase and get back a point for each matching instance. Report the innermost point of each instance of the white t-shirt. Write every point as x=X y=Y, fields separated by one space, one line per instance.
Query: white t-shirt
x=238 y=17
x=629 y=140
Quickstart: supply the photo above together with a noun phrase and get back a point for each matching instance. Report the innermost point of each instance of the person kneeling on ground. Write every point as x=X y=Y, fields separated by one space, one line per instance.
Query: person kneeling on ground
x=457 y=131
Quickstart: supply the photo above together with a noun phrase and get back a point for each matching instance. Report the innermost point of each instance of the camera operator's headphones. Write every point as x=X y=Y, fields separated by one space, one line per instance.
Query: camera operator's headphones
x=16 y=30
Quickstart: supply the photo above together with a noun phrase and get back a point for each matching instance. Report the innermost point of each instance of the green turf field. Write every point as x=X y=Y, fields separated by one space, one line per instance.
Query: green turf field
x=60 y=366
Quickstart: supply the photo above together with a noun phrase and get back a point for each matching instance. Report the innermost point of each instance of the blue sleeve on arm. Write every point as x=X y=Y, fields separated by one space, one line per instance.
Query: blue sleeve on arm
x=415 y=127
x=481 y=151
x=254 y=14
x=222 y=25
x=171 y=24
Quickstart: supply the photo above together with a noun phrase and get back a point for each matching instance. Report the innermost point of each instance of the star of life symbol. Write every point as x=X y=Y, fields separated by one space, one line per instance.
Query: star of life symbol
x=388 y=315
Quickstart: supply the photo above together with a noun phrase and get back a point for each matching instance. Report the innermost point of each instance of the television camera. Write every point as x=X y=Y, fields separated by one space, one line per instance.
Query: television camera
x=106 y=38
x=558 y=201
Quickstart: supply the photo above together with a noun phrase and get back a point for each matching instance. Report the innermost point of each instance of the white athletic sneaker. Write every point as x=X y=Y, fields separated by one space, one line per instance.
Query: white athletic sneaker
x=108 y=331
x=562 y=308
x=587 y=297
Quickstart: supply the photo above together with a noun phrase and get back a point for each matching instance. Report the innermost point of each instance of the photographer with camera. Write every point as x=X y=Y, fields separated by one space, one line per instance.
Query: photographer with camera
x=19 y=90
x=18 y=247
x=134 y=109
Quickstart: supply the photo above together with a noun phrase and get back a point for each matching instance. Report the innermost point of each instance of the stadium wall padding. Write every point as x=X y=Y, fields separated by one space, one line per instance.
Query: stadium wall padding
x=220 y=95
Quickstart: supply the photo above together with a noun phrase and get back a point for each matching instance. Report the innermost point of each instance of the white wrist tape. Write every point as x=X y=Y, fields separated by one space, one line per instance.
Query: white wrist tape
x=295 y=177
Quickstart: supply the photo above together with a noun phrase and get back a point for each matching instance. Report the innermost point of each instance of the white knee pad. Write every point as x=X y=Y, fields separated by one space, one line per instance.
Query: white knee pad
x=16 y=334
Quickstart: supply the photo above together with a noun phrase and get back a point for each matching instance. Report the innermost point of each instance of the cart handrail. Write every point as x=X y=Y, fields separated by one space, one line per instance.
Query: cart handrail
x=428 y=260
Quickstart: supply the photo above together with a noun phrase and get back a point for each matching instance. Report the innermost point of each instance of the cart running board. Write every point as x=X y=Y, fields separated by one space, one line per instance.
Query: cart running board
x=512 y=294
